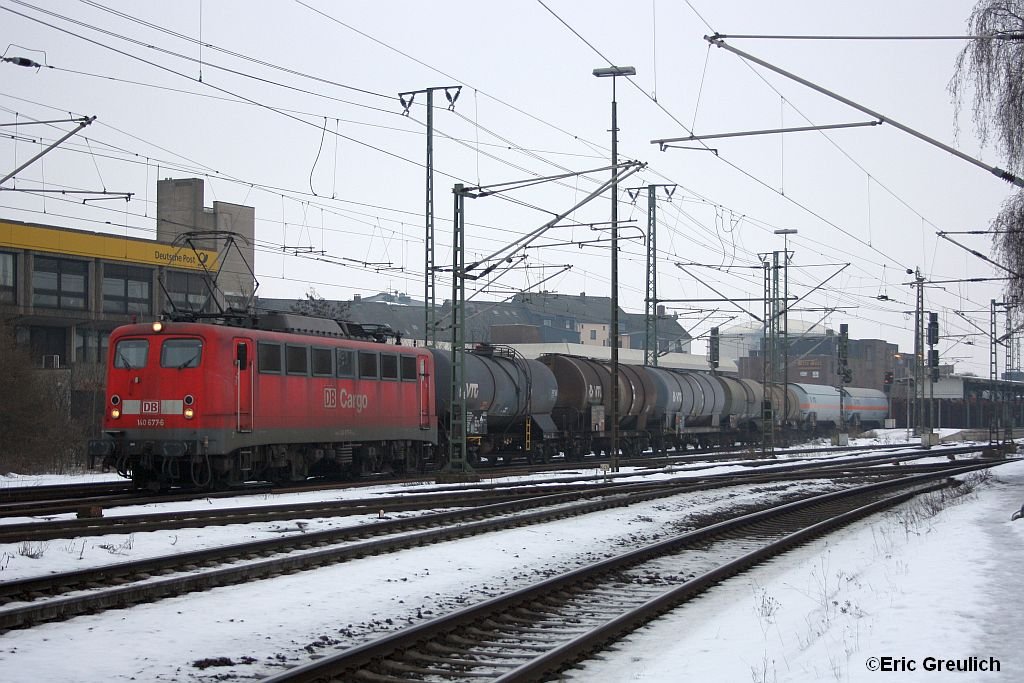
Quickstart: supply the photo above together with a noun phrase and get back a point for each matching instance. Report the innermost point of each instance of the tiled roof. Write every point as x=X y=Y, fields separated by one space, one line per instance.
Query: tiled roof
x=556 y=315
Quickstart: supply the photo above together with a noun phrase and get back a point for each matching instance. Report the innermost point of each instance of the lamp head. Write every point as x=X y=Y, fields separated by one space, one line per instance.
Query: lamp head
x=615 y=71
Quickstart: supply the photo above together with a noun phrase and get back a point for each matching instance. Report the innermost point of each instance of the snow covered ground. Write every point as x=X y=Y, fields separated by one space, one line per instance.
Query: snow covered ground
x=902 y=586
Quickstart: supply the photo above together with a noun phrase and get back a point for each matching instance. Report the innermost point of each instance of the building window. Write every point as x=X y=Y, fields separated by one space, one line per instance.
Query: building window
x=49 y=345
x=126 y=289
x=187 y=291
x=8 y=279
x=59 y=283
x=593 y=334
x=90 y=345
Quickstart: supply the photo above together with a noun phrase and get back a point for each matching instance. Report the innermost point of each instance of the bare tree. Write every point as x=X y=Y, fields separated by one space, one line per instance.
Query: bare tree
x=37 y=433
x=991 y=71
x=1008 y=243
x=316 y=305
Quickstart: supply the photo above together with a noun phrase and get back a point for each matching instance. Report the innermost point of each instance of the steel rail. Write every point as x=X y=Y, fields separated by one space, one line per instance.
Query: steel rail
x=457 y=524
x=580 y=647
x=362 y=660
x=70 y=498
x=421 y=499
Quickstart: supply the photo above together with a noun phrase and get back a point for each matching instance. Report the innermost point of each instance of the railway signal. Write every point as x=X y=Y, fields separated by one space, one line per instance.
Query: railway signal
x=933 y=329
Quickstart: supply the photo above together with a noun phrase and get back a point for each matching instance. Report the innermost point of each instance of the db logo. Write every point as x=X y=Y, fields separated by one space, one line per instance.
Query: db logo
x=330 y=397
x=151 y=406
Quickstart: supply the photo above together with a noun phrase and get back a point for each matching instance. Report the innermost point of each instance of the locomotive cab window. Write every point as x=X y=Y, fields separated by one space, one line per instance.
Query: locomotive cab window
x=269 y=356
x=130 y=354
x=181 y=353
x=367 y=365
x=408 y=368
x=346 y=363
x=388 y=366
x=322 y=366
x=296 y=359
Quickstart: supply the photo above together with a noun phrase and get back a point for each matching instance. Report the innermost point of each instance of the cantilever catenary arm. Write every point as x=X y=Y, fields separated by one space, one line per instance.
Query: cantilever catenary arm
x=718 y=41
x=81 y=124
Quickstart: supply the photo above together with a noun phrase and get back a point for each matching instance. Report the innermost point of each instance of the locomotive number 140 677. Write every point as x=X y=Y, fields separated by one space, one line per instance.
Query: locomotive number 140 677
x=150 y=422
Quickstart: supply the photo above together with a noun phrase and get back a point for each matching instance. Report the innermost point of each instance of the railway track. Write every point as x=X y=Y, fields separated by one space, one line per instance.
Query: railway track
x=60 y=500
x=16 y=494
x=60 y=596
x=420 y=499
x=532 y=633
x=53 y=500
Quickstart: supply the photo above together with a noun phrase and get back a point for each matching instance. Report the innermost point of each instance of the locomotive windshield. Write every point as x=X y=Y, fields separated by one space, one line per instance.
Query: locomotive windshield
x=130 y=354
x=181 y=353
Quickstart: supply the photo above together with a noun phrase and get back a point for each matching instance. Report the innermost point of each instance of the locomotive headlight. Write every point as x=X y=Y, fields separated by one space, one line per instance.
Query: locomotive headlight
x=158 y=326
x=188 y=413
x=115 y=413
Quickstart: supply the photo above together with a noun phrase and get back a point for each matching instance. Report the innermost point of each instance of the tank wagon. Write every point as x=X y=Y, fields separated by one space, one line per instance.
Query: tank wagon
x=508 y=403
x=819 y=406
x=692 y=408
x=584 y=405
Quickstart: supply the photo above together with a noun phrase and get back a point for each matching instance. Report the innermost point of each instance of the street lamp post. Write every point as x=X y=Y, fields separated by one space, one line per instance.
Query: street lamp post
x=613 y=72
x=786 y=232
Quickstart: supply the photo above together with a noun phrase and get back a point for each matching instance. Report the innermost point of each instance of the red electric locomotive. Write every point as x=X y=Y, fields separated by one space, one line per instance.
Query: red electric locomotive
x=216 y=405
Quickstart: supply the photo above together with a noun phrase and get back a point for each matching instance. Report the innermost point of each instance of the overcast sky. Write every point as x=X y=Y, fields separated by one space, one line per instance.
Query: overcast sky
x=353 y=188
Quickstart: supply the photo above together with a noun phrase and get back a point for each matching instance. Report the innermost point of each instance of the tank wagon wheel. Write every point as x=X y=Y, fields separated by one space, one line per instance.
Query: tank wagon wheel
x=629 y=447
x=538 y=454
x=575 y=450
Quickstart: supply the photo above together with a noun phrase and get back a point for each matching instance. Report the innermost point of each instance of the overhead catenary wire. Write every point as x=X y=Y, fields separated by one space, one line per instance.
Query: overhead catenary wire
x=746 y=173
x=734 y=243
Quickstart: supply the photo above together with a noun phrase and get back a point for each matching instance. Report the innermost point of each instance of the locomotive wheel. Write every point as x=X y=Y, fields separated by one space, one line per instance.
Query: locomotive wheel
x=142 y=482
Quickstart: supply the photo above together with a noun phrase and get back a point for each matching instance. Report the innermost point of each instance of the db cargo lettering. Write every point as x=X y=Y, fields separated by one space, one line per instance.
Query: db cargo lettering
x=357 y=402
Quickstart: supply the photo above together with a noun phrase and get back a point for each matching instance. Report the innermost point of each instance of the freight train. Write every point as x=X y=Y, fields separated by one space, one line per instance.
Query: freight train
x=283 y=397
